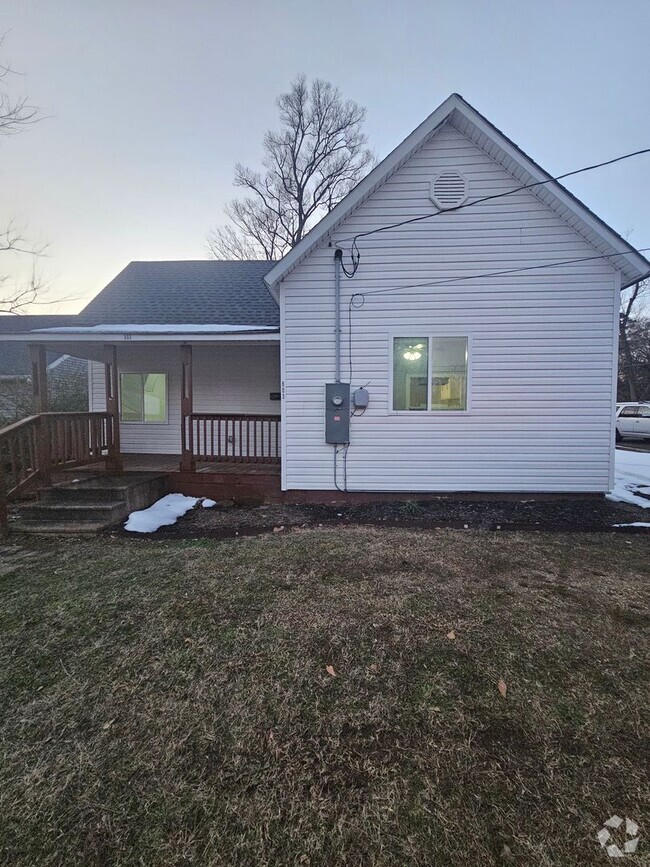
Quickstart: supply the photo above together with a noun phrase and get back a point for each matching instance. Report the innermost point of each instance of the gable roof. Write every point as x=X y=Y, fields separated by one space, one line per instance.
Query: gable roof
x=15 y=359
x=455 y=110
x=193 y=292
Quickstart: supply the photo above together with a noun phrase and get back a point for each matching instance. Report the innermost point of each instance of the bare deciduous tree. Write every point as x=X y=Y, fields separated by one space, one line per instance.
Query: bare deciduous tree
x=16 y=294
x=310 y=164
x=15 y=113
x=632 y=300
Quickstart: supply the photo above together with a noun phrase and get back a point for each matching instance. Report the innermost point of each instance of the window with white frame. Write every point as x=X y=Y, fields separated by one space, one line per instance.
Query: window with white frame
x=430 y=374
x=143 y=397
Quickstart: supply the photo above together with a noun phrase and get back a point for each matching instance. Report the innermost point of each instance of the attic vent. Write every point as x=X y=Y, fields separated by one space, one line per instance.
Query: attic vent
x=448 y=190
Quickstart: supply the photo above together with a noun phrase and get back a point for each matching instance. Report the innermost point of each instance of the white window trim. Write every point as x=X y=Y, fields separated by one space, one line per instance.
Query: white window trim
x=428 y=334
x=144 y=373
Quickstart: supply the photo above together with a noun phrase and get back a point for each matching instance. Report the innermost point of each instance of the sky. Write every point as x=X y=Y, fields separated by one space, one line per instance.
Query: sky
x=148 y=105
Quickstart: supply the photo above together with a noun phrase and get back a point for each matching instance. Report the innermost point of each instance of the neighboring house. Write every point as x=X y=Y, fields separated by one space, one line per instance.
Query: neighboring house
x=67 y=377
x=481 y=341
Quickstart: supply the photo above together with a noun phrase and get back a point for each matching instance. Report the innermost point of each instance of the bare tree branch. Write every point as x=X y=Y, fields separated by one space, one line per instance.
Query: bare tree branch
x=16 y=294
x=15 y=112
x=310 y=164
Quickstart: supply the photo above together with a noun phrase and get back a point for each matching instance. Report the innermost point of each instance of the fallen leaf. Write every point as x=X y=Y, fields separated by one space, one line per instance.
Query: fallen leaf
x=330 y=670
x=451 y=635
x=503 y=689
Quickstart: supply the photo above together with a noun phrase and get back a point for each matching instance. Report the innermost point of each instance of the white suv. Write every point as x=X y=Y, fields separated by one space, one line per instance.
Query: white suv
x=632 y=420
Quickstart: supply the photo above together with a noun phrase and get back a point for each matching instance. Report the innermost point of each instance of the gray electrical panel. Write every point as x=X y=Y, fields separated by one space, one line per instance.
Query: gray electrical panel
x=337 y=412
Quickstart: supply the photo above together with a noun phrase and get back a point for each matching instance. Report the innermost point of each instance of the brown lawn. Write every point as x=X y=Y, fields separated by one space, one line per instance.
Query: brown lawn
x=323 y=697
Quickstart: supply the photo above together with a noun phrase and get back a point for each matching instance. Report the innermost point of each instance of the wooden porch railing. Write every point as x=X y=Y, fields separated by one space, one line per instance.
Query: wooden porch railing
x=30 y=449
x=233 y=437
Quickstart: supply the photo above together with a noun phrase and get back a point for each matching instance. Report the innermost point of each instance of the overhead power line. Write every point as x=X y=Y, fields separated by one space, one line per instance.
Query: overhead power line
x=355 y=254
x=358 y=299
x=503 y=273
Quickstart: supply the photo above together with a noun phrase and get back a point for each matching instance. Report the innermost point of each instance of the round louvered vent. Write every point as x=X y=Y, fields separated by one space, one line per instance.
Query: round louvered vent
x=448 y=190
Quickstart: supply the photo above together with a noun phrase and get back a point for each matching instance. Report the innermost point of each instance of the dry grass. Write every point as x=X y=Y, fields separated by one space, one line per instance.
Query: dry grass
x=167 y=703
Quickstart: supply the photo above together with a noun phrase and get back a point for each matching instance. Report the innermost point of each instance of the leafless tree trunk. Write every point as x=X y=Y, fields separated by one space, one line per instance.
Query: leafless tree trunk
x=310 y=164
x=15 y=247
x=631 y=300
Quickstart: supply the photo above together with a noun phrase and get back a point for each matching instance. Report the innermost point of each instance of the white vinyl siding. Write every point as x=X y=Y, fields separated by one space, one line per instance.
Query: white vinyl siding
x=543 y=343
x=233 y=378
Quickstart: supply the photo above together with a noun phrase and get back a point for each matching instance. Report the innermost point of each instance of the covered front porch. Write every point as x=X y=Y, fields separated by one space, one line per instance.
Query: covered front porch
x=201 y=408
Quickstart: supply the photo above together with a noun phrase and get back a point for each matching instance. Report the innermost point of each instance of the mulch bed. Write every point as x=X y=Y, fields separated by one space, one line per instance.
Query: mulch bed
x=226 y=520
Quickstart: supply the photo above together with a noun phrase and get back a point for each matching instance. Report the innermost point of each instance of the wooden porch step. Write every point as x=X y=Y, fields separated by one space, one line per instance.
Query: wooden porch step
x=106 y=513
x=132 y=487
x=90 y=504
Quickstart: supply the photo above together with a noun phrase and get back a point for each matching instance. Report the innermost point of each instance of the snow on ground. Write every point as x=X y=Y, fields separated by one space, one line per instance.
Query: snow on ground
x=163 y=512
x=631 y=477
x=208 y=504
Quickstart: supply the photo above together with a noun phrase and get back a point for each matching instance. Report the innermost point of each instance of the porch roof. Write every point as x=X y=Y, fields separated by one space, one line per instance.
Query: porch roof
x=152 y=333
x=205 y=290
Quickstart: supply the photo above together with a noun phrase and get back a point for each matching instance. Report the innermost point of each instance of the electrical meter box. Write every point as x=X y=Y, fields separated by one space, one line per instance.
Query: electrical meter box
x=360 y=398
x=337 y=412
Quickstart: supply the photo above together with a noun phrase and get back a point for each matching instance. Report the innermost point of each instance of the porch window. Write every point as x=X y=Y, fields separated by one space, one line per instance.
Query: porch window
x=430 y=374
x=143 y=397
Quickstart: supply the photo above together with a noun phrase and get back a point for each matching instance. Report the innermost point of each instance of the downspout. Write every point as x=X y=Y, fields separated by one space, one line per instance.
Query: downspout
x=338 y=258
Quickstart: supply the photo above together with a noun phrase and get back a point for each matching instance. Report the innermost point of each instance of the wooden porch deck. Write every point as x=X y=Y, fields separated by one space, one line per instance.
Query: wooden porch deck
x=171 y=464
x=219 y=480
x=223 y=455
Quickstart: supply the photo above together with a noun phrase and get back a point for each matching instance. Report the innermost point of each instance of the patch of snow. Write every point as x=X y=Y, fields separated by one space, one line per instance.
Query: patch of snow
x=163 y=512
x=633 y=524
x=631 y=478
x=155 y=328
x=207 y=503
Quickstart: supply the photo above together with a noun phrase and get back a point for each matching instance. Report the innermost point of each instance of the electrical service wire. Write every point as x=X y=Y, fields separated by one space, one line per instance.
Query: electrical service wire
x=337 y=450
x=505 y=273
x=355 y=253
x=358 y=299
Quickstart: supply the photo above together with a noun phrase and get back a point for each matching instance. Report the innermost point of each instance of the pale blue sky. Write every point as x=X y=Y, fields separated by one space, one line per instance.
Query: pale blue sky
x=152 y=102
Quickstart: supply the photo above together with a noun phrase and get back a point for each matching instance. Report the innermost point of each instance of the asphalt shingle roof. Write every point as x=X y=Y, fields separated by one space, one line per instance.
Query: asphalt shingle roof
x=15 y=359
x=198 y=292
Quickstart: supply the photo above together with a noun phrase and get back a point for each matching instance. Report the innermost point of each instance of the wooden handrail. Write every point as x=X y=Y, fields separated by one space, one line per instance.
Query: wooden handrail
x=31 y=448
x=250 y=437
x=19 y=462
x=17 y=424
x=65 y=415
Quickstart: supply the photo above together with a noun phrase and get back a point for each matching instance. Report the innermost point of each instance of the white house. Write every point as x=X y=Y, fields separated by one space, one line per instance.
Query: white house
x=473 y=346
